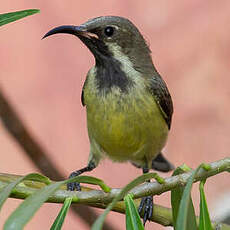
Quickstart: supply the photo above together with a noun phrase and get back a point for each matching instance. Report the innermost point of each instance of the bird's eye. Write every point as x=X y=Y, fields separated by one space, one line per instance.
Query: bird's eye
x=109 y=31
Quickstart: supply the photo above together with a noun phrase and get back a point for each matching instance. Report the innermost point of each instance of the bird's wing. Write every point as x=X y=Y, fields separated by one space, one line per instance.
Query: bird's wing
x=159 y=91
x=82 y=97
x=82 y=92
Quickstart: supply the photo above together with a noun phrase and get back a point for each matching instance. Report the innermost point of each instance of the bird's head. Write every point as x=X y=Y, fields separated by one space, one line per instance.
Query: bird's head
x=112 y=37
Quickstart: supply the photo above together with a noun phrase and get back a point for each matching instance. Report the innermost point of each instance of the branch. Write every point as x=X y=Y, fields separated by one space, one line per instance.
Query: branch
x=34 y=151
x=97 y=198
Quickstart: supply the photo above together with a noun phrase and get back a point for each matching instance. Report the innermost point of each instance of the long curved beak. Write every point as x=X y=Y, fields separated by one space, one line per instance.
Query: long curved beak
x=75 y=30
x=88 y=38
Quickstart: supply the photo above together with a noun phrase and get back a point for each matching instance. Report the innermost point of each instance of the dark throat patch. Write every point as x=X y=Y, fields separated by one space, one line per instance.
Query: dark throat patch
x=109 y=74
x=108 y=70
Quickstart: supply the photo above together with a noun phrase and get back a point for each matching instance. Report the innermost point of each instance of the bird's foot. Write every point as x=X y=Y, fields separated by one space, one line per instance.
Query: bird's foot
x=146 y=206
x=73 y=186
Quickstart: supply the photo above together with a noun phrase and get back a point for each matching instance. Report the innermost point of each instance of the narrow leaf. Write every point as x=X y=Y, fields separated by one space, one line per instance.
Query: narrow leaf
x=183 y=217
x=27 y=209
x=205 y=222
x=8 y=189
x=176 y=195
x=57 y=225
x=133 y=220
x=100 y=220
x=13 y=16
x=90 y=180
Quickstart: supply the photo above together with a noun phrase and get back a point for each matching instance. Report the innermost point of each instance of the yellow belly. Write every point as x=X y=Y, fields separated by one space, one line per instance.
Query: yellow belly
x=126 y=127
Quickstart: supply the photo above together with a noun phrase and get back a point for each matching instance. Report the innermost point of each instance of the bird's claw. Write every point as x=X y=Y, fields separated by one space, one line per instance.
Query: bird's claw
x=73 y=186
x=146 y=206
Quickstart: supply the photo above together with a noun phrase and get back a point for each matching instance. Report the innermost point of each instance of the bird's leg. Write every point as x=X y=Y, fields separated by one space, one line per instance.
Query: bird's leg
x=75 y=185
x=146 y=204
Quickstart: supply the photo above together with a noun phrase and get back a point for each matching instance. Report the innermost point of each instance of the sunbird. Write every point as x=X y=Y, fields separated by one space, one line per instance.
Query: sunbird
x=129 y=108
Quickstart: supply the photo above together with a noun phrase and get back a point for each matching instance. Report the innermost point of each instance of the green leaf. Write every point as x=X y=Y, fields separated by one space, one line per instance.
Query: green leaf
x=90 y=180
x=27 y=209
x=176 y=195
x=100 y=220
x=57 y=225
x=8 y=189
x=183 y=213
x=18 y=219
x=205 y=222
x=13 y=16
x=133 y=220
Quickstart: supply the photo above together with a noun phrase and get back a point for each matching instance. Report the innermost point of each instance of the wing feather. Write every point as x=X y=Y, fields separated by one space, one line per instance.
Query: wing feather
x=159 y=91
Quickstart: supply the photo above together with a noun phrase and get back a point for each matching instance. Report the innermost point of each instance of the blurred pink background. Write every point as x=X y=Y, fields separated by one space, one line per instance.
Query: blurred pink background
x=190 y=43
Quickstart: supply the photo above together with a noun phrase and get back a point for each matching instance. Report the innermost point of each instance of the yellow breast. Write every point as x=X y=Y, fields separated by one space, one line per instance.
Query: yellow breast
x=126 y=127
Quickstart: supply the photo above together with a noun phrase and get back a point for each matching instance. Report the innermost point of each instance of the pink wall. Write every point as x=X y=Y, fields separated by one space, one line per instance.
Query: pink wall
x=43 y=79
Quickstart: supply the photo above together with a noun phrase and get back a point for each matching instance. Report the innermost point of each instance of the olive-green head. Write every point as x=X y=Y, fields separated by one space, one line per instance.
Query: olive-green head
x=112 y=37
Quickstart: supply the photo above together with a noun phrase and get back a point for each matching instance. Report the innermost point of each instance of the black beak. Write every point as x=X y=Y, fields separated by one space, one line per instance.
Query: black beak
x=90 y=39
x=75 y=30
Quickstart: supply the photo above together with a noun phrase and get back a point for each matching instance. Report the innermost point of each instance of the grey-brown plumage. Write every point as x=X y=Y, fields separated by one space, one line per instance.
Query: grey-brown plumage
x=159 y=90
x=129 y=108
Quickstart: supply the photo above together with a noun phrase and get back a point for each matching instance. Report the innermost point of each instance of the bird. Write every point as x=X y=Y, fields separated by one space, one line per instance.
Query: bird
x=128 y=105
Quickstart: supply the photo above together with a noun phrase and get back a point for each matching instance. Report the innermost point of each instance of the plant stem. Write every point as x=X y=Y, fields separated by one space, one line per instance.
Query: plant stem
x=98 y=198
